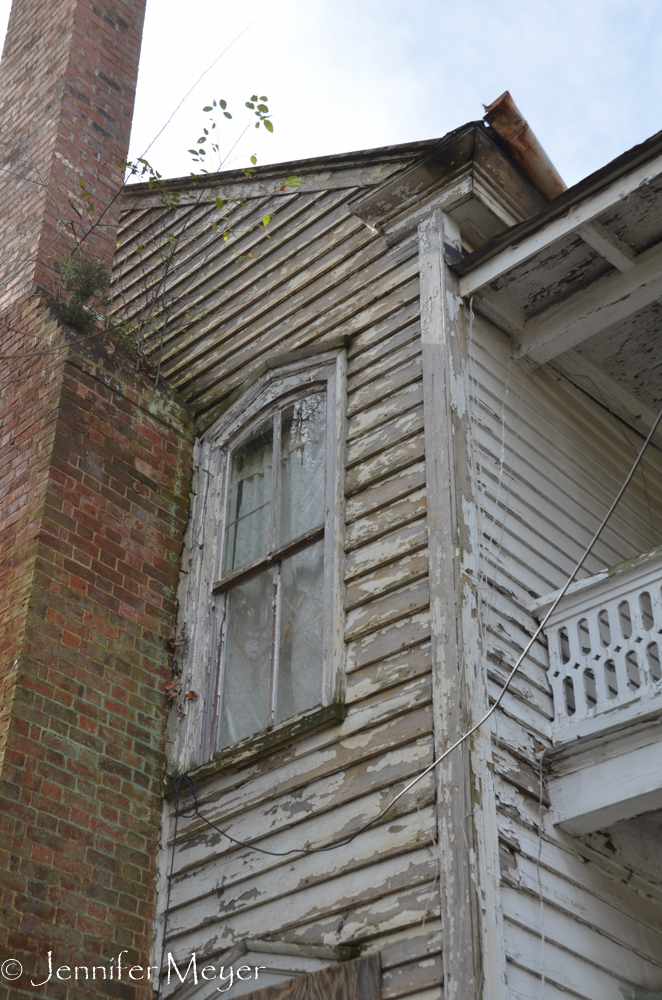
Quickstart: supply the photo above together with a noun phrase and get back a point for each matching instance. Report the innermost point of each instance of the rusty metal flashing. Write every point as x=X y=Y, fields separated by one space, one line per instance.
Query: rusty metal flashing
x=505 y=118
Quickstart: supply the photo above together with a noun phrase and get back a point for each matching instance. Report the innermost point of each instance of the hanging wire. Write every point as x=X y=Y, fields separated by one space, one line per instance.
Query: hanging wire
x=192 y=811
x=462 y=739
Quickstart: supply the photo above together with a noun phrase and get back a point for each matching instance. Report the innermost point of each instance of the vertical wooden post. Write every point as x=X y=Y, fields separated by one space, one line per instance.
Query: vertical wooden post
x=471 y=939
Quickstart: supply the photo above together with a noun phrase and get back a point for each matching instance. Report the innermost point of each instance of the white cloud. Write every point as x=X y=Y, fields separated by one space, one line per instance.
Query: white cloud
x=353 y=74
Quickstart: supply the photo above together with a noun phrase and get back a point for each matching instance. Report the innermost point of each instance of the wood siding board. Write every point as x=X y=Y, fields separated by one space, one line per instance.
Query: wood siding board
x=244 y=293
x=391 y=917
x=399 y=375
x=258 y=307
x=377 y=725
x=562 y=969
x=413 y=662
x=394 y=606
x=400 y=428
x=414 y=977
x=299 y=821
x=371 y=527
x=348 y=288
x=385 y=493
x=384 y=338
x=403 y=870
x=407 y=538
x=393 y=638
x=381 y=413
x=317 y=870
x=571 y=858
x=585 y=907
x=539 y=494
x=409 y=945
x=396 y=358
x=384 y=464
x=349 y=316
x=580 y=939
x=387 y=578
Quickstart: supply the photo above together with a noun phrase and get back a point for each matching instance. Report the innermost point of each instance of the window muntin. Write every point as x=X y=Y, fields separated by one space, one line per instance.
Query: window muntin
x=273 y=570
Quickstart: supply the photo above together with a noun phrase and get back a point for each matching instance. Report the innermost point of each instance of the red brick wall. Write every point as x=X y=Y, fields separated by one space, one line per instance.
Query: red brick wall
x=104 y=461
x=94 y=472
x=67 y=85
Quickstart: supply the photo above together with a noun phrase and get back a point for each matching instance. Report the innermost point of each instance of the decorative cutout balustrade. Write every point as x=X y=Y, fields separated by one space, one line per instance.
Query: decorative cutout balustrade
x=605 y=648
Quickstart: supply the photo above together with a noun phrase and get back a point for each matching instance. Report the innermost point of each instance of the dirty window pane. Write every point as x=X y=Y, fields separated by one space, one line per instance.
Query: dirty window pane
x=300 y=648
x=249 y=498
x=301 y=471
x=248 y=637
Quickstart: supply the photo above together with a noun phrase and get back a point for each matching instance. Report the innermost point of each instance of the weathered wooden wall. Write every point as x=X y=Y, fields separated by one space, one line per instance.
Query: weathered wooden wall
x=550 y=461
x=323 y=275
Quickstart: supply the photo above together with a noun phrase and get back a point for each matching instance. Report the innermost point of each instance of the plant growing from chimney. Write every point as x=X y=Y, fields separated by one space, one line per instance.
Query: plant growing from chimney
x=81 y=289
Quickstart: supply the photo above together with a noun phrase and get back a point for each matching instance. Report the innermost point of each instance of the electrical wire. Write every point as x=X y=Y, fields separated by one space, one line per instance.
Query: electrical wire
x=186 y=778
x=193 y=811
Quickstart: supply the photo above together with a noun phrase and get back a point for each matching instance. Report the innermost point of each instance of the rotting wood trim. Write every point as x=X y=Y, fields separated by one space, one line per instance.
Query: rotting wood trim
x=578 y=205
x=472 y=944
x=256 y=746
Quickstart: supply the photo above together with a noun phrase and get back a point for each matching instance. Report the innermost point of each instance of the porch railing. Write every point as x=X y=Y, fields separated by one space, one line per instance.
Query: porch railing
x=605 y=647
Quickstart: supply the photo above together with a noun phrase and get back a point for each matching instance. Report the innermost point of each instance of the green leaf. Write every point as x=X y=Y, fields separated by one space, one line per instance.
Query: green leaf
x=223 y=104
x=205 y=131
x=263 y=108
x=264 y=98
x=254 y=97
x=257 y=124
x=249 y=104
x=193 y=151
x=219 y=203
x=201 y=139
x=208 y=107
x=227 y=114
x=253 y=160
x=266 y=219
x=268 y=125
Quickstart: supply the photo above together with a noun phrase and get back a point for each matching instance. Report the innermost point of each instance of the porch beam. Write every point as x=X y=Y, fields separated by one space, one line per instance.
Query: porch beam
x=609 y=300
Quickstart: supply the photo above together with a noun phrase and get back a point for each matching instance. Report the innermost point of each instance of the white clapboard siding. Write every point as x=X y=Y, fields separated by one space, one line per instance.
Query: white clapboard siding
x=549 y=461
x=317 y=273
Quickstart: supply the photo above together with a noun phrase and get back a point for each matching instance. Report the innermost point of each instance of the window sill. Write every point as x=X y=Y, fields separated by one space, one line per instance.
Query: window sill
x=262 y=743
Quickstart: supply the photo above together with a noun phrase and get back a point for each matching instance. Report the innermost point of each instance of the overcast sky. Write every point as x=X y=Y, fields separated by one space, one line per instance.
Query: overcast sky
x=354 y=74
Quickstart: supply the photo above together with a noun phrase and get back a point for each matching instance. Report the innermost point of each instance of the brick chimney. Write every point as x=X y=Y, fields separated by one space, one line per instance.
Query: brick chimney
x=67 y=88
x=94 y=472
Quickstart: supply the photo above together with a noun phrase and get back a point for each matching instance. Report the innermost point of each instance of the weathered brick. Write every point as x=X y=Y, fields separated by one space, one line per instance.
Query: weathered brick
x=93 y=506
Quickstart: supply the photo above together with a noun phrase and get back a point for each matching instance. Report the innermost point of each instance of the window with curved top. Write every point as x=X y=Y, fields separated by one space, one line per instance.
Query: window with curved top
x=275 y=519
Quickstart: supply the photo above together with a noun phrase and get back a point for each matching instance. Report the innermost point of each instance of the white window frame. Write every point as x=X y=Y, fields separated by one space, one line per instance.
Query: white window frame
x=201 y=605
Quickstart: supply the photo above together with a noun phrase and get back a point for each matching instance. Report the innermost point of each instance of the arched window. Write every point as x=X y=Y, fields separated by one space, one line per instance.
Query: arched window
x=265 y=580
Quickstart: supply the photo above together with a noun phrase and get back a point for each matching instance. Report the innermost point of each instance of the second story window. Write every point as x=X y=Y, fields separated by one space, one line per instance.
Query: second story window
x=272 y=579
x=261 y=592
